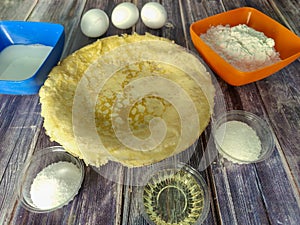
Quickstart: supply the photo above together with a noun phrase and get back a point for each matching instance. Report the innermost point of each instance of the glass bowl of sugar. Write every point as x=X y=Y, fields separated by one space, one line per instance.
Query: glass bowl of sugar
x=50 y=180
x=242 y=137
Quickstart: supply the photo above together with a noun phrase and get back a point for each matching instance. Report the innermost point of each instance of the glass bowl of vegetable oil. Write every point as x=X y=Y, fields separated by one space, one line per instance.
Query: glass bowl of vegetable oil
x=174 y=194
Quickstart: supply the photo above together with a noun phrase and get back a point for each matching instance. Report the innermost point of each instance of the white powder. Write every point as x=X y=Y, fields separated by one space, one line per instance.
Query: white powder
x=55 y=184
x=238 y=140
x=243 y=47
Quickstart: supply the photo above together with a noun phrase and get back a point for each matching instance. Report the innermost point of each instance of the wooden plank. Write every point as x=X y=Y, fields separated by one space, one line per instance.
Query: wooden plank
x=285 y=12
x=13 y=118
x=13 y=115
x=93 y=205
x=132 y=211
x=17 y=144
x=97 y=192
x=193 y=11
x=67 y=13
x=288 y=11
x=283 y=84
x=281 y=106
x=79 y=39
x=230 y=180
x=9 y=8
x=44 y=141
x=281 y=199
x=235 y=189
x=232 y=189
x=280 y=176
x=281 y=97
x=25 y=125
x=175 y=29
x=281 y=93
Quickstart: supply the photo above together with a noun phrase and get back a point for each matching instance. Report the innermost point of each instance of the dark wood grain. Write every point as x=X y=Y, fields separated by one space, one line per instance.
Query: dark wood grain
x=16 y=9
x=97 y=192
x=288 y=11
x=67 y=13
x=79 y=39
x=17 y=144
x=229 y=180
x=263 y=193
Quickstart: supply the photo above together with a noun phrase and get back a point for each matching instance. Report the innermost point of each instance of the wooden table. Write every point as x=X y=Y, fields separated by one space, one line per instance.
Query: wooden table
x=263 y=193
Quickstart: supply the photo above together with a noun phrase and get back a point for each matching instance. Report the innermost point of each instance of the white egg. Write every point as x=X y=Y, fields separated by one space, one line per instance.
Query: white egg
x=94 y=23
x=125 y=15
x=154 y=15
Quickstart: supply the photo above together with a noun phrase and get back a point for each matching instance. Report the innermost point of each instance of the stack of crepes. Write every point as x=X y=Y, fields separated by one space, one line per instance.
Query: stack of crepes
x=133 y=99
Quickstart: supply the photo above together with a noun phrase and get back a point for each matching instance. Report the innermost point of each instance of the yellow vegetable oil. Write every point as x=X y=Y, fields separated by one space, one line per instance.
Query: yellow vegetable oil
x=173 y=197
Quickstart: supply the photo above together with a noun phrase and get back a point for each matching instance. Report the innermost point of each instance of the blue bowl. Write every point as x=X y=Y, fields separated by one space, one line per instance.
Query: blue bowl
x=31 y=33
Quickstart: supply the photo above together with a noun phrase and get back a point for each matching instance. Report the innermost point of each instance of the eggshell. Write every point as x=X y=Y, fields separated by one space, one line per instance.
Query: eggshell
x=94 y=23
x=125 y=15
x=154 y=15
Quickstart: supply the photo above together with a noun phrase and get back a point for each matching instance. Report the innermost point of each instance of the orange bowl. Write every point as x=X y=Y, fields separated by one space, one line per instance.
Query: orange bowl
x=286 y=43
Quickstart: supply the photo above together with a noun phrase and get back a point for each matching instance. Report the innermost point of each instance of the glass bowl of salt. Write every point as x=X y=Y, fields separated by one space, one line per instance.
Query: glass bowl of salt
x=242 y=137
x=50 y=180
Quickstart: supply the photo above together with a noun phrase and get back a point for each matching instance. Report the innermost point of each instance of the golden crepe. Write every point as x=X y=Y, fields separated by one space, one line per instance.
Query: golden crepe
x=133 y=99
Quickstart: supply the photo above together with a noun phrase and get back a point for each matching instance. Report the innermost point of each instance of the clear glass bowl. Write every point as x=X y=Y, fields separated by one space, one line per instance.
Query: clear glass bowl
x=36 y=164
x=174 y=194
x=260 y=127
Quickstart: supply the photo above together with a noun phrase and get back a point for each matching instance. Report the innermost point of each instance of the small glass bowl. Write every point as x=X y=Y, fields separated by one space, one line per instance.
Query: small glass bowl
x=174 y=194
x=261 y=128
x=36 y=164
